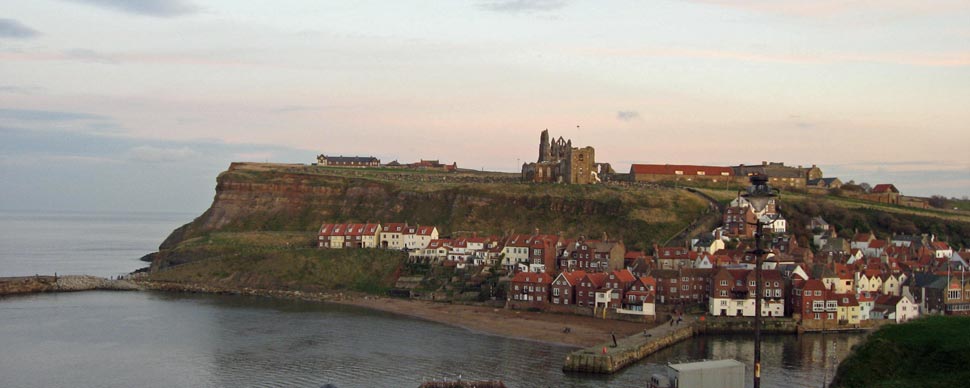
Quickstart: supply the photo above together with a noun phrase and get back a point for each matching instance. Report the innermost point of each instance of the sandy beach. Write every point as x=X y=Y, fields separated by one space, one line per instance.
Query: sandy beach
x=537 y=326
x=584 y=331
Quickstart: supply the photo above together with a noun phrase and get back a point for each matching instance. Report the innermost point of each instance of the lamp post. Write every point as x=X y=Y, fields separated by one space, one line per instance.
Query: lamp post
x=758 y=195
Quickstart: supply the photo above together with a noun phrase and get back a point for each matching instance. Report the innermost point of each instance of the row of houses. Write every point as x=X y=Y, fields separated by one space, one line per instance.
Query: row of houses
x=398 y=236
x=778 y=174
x=370 y=161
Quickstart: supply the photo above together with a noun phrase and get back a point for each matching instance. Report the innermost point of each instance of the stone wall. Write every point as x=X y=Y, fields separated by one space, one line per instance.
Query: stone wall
x=630 y=350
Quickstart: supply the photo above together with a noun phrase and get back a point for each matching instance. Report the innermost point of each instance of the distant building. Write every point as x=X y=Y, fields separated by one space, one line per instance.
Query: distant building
x=560 y=162
x=348 y=161
x=780 y=175
x=677 y=172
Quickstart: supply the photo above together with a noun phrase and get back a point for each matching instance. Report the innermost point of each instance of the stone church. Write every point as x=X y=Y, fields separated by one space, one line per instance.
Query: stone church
x=560 y=162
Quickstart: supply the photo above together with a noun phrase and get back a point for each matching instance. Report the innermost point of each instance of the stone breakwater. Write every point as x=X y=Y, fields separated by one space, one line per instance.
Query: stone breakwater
x=69 y=283
x=215 y=289
x=607 y=359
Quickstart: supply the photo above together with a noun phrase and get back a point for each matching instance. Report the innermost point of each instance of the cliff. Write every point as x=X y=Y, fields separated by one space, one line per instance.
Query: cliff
x=299 y=198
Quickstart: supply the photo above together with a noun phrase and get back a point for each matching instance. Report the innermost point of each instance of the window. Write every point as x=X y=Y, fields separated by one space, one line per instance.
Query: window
x=777 y=293
x=723 y=303
x=723 y=293
x=673 y=290
x=818 y=305
x=752 y=283
x=686 y=287
x=818 y=293
x=555 y=292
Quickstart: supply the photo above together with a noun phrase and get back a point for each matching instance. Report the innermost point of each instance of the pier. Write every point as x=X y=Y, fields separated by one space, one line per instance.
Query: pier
x=607 y=359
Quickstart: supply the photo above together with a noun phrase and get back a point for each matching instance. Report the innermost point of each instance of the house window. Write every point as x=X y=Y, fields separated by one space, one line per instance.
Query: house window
x=829 y=316
x=818 y=293
x=723 y=293
x=555 y=292
x=752 y=283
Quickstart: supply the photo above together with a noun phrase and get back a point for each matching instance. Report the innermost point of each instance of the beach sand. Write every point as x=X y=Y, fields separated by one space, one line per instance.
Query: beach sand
x=585 y=331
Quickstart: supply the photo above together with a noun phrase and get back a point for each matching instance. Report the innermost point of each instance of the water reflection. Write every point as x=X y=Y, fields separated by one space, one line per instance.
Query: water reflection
x=103 y=339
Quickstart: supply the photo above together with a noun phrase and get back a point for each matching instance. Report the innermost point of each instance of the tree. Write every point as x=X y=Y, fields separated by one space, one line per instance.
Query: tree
x=937 y=201
x=865 y=187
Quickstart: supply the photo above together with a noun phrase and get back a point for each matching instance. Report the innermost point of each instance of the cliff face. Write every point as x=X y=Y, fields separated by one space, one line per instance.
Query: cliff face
x=259 y=197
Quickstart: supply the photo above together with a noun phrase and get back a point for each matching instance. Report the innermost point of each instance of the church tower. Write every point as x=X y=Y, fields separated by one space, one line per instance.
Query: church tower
x=544 y=153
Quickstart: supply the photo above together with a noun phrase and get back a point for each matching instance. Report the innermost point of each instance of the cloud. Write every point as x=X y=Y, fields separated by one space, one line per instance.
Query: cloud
x=832 y=8
x=627 y=115
x=151 y=154
x=14 y=89
x=953 y=59
x=154 y=8
x=516 y=6
x=46 y=115
x=88 y=56
x=10 y=28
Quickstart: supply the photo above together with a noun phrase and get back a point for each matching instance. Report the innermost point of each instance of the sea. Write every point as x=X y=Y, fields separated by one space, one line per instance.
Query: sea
x=155 y=339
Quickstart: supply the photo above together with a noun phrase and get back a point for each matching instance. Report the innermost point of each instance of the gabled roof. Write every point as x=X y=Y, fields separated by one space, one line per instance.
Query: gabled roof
x=532 y=277
x=624 y=276
x=573 y=277
x=884 y=188
x=596 y=278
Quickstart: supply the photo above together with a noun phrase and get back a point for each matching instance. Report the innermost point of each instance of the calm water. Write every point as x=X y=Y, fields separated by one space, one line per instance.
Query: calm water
x=144 y=339
x=100 y=244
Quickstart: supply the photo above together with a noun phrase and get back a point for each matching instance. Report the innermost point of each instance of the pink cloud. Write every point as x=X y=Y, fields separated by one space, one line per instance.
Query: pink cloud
x=832 y=8
x=958 y=59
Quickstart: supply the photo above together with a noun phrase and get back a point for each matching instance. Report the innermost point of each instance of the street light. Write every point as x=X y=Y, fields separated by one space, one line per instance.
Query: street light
x=759 y=195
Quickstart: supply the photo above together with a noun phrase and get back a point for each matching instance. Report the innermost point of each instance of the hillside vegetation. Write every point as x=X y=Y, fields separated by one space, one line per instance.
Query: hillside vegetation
x=929 y=352
x=848 y=215
x=280 y=261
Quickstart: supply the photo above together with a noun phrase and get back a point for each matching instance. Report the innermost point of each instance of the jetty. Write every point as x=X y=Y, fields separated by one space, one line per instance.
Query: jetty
x=607 y=358
x=65 y=283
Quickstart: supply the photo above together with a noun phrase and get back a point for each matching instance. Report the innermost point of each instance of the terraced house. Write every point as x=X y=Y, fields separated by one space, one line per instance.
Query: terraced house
x=349 y=236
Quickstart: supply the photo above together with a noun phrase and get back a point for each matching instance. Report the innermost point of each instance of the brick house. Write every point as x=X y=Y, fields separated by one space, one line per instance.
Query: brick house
x=733 y=293
x=528 y=289
x=587 y=287
x=593 y=255
x=564 y=287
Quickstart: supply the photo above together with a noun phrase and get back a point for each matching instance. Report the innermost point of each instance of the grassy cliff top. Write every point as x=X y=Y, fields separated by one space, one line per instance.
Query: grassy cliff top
x=929 y=352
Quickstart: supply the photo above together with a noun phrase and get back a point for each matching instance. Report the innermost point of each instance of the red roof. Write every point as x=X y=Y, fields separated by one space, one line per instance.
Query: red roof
x=597 y=278
x=677 y=169
x=394 y=227
x=624 y=275
x=885 y=188
x=532 y=277
x=573 y=277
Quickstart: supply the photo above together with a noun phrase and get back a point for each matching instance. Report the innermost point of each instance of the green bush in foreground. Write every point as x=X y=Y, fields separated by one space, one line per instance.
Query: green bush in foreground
x=929 y=352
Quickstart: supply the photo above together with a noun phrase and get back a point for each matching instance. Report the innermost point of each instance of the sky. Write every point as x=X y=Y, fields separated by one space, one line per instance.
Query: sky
x=139 y=104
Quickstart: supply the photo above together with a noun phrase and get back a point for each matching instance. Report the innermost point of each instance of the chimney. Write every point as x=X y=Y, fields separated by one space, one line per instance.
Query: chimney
x=537 y=231
x=764 y=162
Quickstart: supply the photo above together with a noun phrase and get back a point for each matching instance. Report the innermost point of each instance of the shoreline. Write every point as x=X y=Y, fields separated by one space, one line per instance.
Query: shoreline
x=585 y=331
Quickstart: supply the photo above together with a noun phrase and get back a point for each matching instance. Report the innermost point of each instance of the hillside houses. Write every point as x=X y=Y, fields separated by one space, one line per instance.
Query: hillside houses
x=843 y=283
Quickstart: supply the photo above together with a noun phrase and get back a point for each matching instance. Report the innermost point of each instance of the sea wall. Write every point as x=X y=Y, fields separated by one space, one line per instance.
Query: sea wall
x=606 y=359
x=69 y=283
x=733 y=325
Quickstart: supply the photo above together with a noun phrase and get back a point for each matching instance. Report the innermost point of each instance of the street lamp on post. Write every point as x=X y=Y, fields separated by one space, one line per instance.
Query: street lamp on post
x=758 y=195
